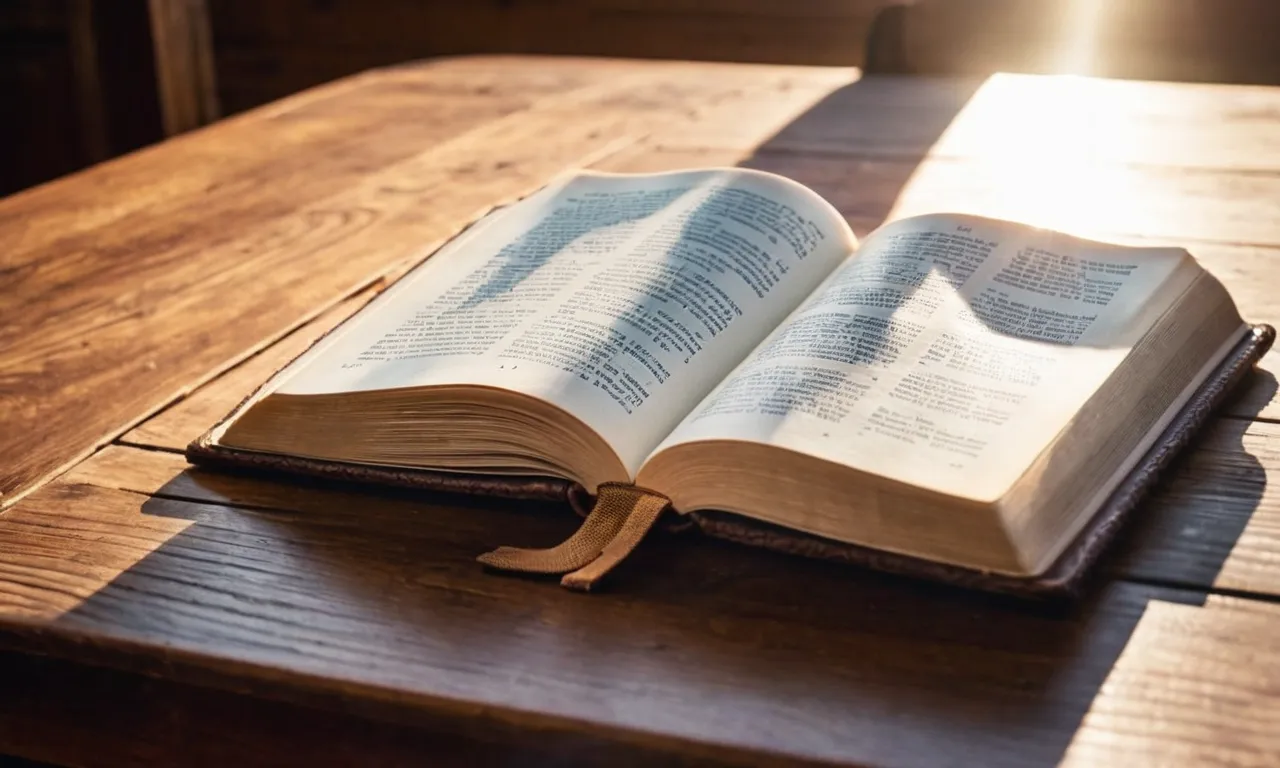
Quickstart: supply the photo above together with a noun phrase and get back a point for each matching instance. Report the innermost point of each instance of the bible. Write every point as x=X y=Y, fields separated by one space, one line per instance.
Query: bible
x=954 y=397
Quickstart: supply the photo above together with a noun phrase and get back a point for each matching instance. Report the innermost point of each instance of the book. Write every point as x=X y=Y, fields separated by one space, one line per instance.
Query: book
x=954 y=396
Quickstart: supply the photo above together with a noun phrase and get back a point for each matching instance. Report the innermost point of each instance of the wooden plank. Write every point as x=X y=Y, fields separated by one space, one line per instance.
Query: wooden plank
x=311 y=147
x=1183 y=536
x=1139 y=205
x=710 y=651
x=264 y=256
x=306 y=147
x=176 y=426
x=84 y=62
x=1175 y=695
x=1215 y=521
x=1068 y=120
x=167 y=474
x=1199 y=126
x=1135 y=204
x=1213 y=524
x=260 y=283
x=1086 y=125
x=315 y=144
x=1258 y=398
x=116 y=718
x=184 y=63
x=1082 y=122
x=304 y=154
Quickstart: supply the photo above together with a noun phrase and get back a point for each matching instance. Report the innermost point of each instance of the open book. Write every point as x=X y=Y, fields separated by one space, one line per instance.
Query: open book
x=954 y=389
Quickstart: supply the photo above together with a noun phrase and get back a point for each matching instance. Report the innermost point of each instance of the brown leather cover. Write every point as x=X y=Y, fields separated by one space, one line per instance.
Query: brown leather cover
x=1062 y=579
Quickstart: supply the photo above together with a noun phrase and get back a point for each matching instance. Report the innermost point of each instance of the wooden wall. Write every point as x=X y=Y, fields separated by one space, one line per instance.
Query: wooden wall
x=34 y=60
x=82 y=78
x=1223 y=41
x=83 y=81
x=75 y=79
x=268 y=49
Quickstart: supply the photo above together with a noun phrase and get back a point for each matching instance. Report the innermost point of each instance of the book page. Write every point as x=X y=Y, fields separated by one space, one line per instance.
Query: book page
x=621 y=299
x=946 y=354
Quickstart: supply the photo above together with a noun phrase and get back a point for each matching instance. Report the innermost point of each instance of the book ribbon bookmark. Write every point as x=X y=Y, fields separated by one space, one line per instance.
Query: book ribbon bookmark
x=623 y=514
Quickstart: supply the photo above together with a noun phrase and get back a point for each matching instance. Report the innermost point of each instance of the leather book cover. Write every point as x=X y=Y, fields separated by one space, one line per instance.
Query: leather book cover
x=1062 y=579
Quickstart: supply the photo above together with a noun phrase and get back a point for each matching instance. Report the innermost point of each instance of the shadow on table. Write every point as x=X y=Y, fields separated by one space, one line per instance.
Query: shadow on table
x=358 y=591
x=861 y=145
x=694 y=638
x=1185 y=536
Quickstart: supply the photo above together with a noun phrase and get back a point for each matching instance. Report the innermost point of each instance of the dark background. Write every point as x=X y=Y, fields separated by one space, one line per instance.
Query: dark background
x=79 y=76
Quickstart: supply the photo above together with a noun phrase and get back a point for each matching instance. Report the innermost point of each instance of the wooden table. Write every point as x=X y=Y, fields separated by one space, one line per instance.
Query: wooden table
x=155 y=614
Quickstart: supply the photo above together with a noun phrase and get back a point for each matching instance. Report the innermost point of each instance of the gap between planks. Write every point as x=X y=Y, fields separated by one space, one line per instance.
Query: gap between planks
x=1137 y=558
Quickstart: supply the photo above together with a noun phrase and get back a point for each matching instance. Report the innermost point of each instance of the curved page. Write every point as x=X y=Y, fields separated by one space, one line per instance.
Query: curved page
x=621 y=299
x=947 y=354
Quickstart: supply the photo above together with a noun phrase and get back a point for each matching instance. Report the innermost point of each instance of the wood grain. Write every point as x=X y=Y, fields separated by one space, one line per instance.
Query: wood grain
x=149 y=721
x=1215 y=522
x=1046 y=121
x=245 y=241
x=176 y=426
x=1219 y=661
x=253 y=258
x=89 y=103
x=711 y=652
x=1185 y=531
x=1134 y=204
x=1101 y=129
x=185 y=77
x=1221 y=216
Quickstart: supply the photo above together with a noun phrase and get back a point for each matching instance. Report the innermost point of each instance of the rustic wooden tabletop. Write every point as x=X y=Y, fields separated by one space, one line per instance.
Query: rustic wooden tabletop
x=154 y=614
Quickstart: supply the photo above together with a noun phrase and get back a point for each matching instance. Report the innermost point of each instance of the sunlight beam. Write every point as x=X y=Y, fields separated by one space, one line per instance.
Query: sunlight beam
x=1082 y=22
